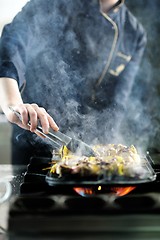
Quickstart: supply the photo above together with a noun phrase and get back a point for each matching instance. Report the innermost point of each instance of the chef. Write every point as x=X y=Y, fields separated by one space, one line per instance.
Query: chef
x=68 y=62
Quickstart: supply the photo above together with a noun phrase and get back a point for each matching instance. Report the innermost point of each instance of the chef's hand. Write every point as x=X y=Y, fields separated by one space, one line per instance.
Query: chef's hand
x=34 y=114
x=10 y=96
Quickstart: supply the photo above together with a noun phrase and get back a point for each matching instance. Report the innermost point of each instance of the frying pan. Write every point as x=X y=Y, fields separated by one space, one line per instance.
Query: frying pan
x=103 y=180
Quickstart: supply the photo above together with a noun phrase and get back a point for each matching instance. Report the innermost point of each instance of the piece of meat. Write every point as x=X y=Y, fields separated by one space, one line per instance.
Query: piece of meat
x=111 y=159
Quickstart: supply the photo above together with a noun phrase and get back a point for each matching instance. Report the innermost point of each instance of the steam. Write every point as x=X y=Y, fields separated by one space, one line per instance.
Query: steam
x=61 y=71
x=143 y=112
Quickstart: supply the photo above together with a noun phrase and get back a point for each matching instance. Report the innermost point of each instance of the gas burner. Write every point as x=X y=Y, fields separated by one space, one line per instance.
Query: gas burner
x=56 y=209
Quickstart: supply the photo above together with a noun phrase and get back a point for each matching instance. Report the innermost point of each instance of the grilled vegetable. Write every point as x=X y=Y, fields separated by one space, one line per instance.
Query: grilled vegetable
x=111 y=159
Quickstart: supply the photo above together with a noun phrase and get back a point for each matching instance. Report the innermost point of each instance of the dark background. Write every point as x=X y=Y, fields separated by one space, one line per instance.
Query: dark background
x=142 y=123
x=144 y=105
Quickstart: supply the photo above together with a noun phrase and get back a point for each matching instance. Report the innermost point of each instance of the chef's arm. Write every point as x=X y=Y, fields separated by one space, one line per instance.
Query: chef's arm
x=10 y=96
x=14 y=44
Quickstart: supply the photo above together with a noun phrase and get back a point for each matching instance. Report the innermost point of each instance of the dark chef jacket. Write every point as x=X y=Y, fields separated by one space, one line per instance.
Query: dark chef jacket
x=76 y=62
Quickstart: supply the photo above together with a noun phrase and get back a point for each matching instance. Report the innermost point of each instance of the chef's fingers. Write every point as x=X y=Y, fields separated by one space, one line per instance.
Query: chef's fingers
x=42 y=117
x=32 y=114
x=52 y=123
x=46 y=120
x=20 y=108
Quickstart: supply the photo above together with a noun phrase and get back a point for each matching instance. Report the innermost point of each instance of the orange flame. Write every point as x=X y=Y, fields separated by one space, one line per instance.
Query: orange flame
x=84 y=191
x=121 y=191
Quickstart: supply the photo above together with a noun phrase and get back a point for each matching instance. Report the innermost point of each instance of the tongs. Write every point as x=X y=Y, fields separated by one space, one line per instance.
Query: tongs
x=73 y=144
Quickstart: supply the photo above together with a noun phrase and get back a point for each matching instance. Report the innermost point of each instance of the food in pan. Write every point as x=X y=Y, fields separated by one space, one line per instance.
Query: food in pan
x=110 y=160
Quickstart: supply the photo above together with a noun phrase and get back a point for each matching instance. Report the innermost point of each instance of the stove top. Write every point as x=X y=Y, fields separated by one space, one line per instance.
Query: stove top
x=59 y=208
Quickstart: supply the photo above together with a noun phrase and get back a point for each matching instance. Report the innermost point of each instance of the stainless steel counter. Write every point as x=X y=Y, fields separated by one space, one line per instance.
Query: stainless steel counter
x=5 y=135
x=13 y=175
